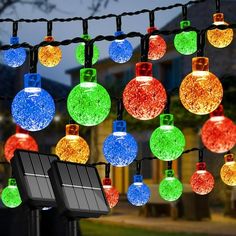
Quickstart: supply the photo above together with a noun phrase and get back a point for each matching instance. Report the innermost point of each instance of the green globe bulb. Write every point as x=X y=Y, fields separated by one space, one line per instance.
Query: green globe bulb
x=10 y=195
x=80 y=54
x=88 y=103
x=186 y=42
x=170 y=188
x=167 y=142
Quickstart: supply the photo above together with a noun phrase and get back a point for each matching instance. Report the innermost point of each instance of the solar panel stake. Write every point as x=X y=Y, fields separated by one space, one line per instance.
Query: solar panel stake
x=71 y=227
x=34 y=223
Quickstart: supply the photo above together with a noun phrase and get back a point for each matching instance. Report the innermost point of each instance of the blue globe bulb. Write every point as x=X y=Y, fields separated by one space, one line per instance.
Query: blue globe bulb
x=14 y=57
x=138 y=193
x=120 y=51
x=120 y=148
x=33 y=108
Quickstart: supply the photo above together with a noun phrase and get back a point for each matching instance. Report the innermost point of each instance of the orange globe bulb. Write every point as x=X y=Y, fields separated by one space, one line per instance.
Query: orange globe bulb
x=49 y=56
x=201 y=91
x=228 y=170
x=220 y=38
x=20 y=140
x=112 y=194
x=72 y=147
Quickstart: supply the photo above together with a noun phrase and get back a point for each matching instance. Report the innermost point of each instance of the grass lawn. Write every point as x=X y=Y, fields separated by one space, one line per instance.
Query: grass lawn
x=89 y=228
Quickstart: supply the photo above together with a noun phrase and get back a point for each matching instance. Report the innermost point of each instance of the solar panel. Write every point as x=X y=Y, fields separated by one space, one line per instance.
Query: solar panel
x=78 y=190
x=31 y=172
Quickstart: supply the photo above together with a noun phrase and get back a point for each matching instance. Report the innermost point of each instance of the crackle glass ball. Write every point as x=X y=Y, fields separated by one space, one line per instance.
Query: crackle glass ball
x=112 y=194
x=228 y=170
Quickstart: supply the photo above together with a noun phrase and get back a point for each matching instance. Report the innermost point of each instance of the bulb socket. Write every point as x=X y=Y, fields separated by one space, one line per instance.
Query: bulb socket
x=151 y=29
x=86 y=37
x=11 y=182
x=184 y=24
x=144 y=69
x=48 y=38
x=218 y=17
x=88 y=75
x=32 y=80
x=72 y=129
x=119 y=126
x=118 y=33
x=169 y=173
x=219 y=111
x=200 y=64
x=229 y=157
x=106 y=181
x=19 y=130
x=14 y=40
x=138 y=178
x=201 y=166
x=166 y=119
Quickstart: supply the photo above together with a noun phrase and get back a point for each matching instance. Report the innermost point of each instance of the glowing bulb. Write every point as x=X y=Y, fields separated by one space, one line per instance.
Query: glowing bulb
x=219 y=132
x=157 y=45
x=120 y=50
x=138 y=193
x=220 y=38
x=167 y=142
x=186 y=41
x=112 y=195
x=49 y=56
x=228 y=170
x=202 y=181
x=80 y=51
x=20 y=140
x=33 y=108
x=120 y=148
x=10 y=195
x=72 y=147
x=88 y=103
x=144 y=97
x=201 y=91
x=14 y=57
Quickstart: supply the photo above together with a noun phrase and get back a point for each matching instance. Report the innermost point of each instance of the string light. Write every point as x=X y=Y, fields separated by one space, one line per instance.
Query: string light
x=20 y=140
x=167 y=142
x=72 y=147
x=200 y=91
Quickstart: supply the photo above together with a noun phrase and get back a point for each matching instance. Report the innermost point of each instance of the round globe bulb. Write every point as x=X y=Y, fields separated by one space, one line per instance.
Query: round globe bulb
x=49 y=56
x=14 y=57
x=167 y=142
x=201 y=91
x=80 y=51
x=112 y=195
x=186 y=41
x=219 y=132
x=220 y=38
x=120 y=50
x=144 y=97
x=20 y=140
x=138 y=193
x=157 y=45
x=120 y=148
x=170 y=188
x=33 y=108
x=72 y=147
x=228 y=170
x=10 y=195
x=88 y=103
x=202 y=181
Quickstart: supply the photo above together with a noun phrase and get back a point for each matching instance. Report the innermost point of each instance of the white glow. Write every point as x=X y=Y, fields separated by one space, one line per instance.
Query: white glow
x=119 y=133
x=166 y=127
x=219 y=23
x=138 y=183
x=72 y=137
x=32 y=89
x=88 y=84
x=144 y=78
x=201 y=171
x=217 y=118
x=57 y=118
x=107 y=186
x=21 y=135
x=200 y=73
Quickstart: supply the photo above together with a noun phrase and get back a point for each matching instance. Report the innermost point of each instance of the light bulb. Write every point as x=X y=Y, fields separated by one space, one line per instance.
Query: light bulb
x=220 y=38
x=138 y=193
x=186 y=41
x=33 y=108
x=49 y=56
x=144 y=97
x=120 y=148
x=228 y=170
x=202 y=181
x=112 y=195
x=20 y=140
x=167 y=142
x=157 y=45
x=14 y=57
x=201 y=91
x=170 y=187
x=88 y=103
x=219 y=132
x=80 y=51
x=120 y=50
x=72 y=147
x=10 y=195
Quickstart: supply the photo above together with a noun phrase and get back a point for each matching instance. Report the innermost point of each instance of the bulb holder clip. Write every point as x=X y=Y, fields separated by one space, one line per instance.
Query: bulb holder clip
x=32 y=80
x=119 y=126
x=72 y=129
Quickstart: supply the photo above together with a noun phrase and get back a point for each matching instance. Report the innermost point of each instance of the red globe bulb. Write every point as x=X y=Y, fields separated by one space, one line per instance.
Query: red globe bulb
x=112 y=195
x=219 y=132
x=144 y=97
x=157 y=45
x=20 y=140
x=202 y=181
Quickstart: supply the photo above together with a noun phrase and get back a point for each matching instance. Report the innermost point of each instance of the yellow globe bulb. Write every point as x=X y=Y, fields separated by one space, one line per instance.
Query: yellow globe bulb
x=220 y=38
x=228 y=170
x=72 y=147
x=49 y=56
x=201 y=91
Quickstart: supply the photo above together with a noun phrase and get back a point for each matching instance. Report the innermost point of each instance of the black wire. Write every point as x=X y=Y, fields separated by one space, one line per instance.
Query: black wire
x=169 y=165
x=218 y=6
x=152 y=18
x=138 y=167
x=144 y=48
x=118 y=23
x=88 y=54
x=201 y=43
x=107 y=170
x=49 y=28
x=185 y=12
x=120 y=109
x=85 y=26
x=33 y=60
x=200 y=155
x=14 y=28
